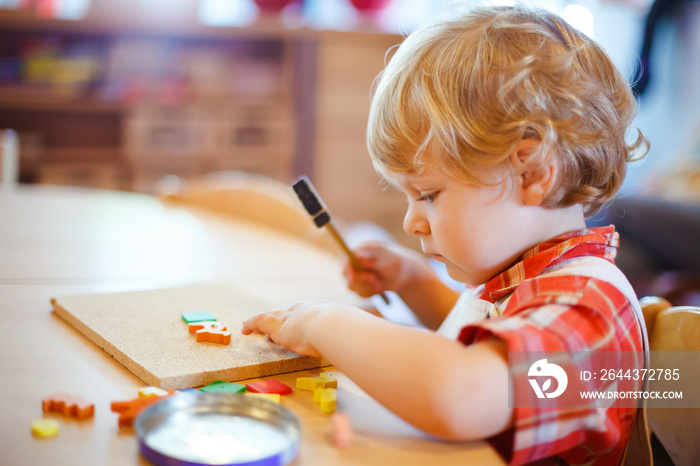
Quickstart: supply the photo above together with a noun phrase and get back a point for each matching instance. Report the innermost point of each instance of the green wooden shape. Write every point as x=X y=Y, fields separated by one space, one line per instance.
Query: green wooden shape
x=223 y=387
x=202 y=316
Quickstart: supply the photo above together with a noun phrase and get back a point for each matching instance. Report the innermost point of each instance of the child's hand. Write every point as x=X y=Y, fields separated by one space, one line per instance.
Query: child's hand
x=384 y=268
x=291 y=328
x=391 y=267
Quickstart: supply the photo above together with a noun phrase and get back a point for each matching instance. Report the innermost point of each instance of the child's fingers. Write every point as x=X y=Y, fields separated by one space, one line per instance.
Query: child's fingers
x=349 y=272
x=367 y=280
x=365 y=284
x=366 y=258
x=264 y=323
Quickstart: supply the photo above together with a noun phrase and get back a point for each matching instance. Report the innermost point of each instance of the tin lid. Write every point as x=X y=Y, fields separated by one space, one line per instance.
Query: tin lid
x=191 y=429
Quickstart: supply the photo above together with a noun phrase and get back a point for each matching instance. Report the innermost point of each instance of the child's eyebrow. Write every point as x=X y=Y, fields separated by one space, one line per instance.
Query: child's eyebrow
x=388 y=182
x=395 y=186
x=414 y=183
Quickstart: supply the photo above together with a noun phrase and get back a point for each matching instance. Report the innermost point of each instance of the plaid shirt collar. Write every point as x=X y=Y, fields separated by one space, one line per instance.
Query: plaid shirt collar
x=599 y=242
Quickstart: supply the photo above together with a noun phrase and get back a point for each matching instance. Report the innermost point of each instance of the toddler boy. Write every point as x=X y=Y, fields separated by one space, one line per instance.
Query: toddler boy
x=504 y=127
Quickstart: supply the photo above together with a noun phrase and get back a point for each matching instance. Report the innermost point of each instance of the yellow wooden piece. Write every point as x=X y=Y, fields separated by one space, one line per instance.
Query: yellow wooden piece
x=328 y=399
x=328 y=380
x=45 y=428
x=305 y=383
x=145 y=392
x=325 y=380
x=268 y=396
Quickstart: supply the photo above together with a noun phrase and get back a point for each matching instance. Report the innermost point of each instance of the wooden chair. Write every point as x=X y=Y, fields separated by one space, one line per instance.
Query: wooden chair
x=675 y=329
x=249 y=196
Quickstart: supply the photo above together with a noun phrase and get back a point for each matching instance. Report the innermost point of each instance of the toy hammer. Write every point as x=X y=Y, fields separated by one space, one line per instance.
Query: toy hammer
x=319 y=213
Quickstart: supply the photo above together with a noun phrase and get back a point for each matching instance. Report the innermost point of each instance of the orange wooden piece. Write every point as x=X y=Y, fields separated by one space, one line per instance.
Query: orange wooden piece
x=128 y=410
x=68 y=405
x=215 y=332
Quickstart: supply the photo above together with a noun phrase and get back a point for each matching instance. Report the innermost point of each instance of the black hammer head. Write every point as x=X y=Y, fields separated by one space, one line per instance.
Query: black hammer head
x=311 y=201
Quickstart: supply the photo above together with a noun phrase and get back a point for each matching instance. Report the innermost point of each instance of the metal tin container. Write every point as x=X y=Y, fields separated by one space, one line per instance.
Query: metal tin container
x=190 y=429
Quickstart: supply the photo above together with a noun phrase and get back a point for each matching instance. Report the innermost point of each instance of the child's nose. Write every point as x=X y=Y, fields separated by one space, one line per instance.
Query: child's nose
x=414 y=223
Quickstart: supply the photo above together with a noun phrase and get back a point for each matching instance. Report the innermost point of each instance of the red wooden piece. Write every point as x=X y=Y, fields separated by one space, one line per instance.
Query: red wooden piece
x=269 y=386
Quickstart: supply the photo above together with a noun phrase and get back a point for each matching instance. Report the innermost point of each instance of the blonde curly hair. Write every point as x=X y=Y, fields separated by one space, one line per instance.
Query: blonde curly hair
x=466 y=90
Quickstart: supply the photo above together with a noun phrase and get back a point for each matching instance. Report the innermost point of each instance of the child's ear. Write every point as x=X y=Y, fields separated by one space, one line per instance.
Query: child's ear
x=535 y=178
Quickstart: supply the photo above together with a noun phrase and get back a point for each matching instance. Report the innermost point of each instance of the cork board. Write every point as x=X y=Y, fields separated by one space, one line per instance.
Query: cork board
x=144 y=331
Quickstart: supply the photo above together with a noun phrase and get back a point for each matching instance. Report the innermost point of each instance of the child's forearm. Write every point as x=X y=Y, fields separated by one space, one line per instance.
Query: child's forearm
x=438 y=385
x=427 y=296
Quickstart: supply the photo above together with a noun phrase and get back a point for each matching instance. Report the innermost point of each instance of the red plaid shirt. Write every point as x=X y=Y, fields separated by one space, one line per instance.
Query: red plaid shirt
x=562 y=313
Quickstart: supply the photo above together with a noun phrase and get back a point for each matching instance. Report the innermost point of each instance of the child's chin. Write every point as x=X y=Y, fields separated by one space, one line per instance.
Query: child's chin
x=460 y=275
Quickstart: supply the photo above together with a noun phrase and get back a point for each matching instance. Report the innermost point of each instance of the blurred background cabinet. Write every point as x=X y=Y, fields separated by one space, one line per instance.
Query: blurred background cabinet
x=121 y=98
x=142 y=101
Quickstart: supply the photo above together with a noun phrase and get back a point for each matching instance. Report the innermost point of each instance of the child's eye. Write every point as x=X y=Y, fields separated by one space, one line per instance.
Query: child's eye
x=430 y=197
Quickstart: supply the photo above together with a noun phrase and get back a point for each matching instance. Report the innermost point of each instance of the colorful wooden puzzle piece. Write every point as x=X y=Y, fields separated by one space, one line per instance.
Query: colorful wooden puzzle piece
x=190 y=317
x=274 y=397
x=269 y=386
x=223 y=387
x=327 y=398
x=145 y=392
x=45 y=428
x=210 y=331
x=324 y=387
x=317 y=394
x=342 y=430
x=325 y=380
x=195 y=327
x=128 y=410
x=68 y=405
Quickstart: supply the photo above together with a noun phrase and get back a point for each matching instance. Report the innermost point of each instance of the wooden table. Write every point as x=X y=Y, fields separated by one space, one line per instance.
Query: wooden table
x=57 y=241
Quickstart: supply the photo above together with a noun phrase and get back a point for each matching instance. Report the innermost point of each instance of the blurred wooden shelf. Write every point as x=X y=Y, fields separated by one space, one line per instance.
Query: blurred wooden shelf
x=90 y=154
x=13 y=20
x=25 y=97
x=311 y=120
x=266 y=26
